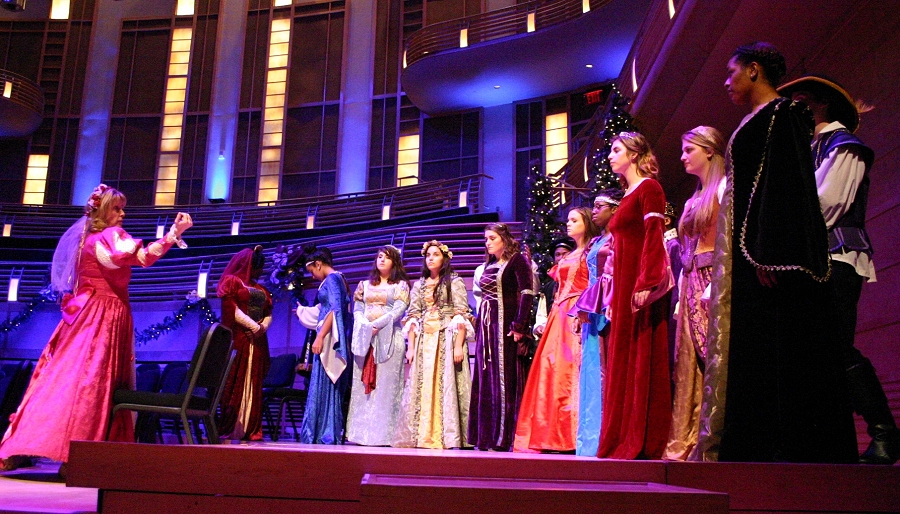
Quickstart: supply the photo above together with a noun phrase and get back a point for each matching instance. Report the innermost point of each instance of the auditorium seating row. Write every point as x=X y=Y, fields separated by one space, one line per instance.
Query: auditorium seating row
x=176 y=275
x=214 y=219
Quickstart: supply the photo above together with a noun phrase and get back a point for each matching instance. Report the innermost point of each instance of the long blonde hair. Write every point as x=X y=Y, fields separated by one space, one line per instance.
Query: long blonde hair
x=108 y=200
x=647 y=165
x=698 y=217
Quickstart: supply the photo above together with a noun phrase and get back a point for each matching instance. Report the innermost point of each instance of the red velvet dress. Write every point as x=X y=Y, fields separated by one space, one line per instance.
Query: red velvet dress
x=637 y=402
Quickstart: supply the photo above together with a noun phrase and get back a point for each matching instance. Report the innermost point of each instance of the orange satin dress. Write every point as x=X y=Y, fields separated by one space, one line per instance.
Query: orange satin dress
x=548 y=417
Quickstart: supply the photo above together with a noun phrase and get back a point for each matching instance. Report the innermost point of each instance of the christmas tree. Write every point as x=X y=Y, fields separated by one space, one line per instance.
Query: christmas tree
x=542 y=225
x=616 y=120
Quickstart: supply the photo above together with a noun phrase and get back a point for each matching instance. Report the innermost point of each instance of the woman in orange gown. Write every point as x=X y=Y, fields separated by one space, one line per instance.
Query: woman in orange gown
x=548 y=418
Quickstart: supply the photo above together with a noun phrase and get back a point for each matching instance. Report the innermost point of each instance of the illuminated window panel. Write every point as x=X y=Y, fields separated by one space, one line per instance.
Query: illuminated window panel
x=269 y=181
x=278 y=61
x=173 y=120
x=273 y=111
x=279 y=3
x=170 y=145
x=408 y=160
x=174 y=107
x=59 y=9
x=168 y=171
x=273 y=139
x=274 y=101
x=36 y=179
x=167 y=186
x=184 y=8
x=556 y=141
x=164 y=199
x=178 y=69
x=271 y=155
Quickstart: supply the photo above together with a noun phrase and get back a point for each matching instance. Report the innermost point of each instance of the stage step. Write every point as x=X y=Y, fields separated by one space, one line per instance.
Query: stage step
x=433 y=494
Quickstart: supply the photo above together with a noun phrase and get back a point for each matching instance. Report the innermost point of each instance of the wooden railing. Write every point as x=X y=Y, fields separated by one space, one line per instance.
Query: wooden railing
x=211 y=220
x=493 y=25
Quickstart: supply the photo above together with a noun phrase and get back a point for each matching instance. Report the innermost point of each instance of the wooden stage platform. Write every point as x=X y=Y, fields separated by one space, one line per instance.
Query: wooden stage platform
x=290 y=477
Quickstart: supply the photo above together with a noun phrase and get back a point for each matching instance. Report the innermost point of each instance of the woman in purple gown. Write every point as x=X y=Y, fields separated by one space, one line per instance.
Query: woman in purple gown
x=504 y=314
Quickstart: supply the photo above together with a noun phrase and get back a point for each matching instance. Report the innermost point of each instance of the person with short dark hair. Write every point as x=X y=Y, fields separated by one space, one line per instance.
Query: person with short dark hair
x=774 y=390
x=842 y=179
x=323 y=419
x=247 y=312
x=561 y=247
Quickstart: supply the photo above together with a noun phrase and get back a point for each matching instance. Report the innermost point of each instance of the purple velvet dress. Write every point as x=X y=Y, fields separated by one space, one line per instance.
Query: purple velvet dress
x=498 y=380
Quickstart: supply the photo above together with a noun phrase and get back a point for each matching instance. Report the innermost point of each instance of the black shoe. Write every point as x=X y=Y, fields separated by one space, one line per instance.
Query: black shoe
x=885 y=446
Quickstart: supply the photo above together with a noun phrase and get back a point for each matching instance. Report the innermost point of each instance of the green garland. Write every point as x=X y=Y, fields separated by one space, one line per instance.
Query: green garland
x=169 y=323
x=46 y=296
x=173 y=322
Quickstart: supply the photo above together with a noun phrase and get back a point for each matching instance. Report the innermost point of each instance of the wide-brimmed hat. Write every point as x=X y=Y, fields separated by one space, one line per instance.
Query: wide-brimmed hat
x=841 y=106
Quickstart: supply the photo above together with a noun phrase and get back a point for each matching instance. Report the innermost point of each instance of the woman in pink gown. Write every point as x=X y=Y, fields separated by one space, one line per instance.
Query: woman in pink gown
x=91 y=352
x=548 y=417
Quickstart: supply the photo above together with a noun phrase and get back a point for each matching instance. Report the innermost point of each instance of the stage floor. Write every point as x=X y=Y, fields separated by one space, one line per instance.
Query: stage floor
x=288 y=477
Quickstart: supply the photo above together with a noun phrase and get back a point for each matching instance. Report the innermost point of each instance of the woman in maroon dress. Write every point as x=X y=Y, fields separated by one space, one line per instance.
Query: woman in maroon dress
x=247 y=311
x=636 y=395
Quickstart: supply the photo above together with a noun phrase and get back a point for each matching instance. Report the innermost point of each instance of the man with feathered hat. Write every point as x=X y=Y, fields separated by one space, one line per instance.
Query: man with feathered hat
x=842 y=179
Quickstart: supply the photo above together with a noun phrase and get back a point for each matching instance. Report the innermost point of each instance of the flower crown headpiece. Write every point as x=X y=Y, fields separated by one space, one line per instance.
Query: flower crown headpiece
x=93 y=202
x=442 y=247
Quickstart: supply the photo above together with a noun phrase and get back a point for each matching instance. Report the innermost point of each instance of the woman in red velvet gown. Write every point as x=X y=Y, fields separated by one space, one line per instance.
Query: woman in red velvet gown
x=637 y=399
x=91 y=352
x=548 y=416
x=247 y=311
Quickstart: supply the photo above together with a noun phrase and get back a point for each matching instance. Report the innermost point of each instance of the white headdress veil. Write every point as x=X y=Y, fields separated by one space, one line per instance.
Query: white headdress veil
x=65 y=258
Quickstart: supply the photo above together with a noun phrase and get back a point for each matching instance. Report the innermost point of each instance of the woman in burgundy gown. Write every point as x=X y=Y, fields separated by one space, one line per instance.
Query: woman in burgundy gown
x=637 y=405
x=91 y=352
x=247 y=311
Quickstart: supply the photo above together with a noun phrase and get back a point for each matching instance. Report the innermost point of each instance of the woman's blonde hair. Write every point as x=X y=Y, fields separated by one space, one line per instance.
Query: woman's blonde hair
x=699 y=217
x=108 y=200
x=647 y=166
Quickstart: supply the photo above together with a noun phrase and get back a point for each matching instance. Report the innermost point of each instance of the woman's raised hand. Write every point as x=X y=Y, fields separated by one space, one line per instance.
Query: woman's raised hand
x=182 y=222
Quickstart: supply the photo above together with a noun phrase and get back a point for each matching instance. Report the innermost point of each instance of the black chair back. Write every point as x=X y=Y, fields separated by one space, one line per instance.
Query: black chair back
x=174 y=378
x=148 y=376
x=281 y=371
x=210 y=362
x=19 y=375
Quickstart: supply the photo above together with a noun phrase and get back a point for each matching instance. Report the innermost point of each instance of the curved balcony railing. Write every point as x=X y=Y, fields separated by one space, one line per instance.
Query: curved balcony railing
x=23 y=91
x=21 y=105
x=490 y=26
